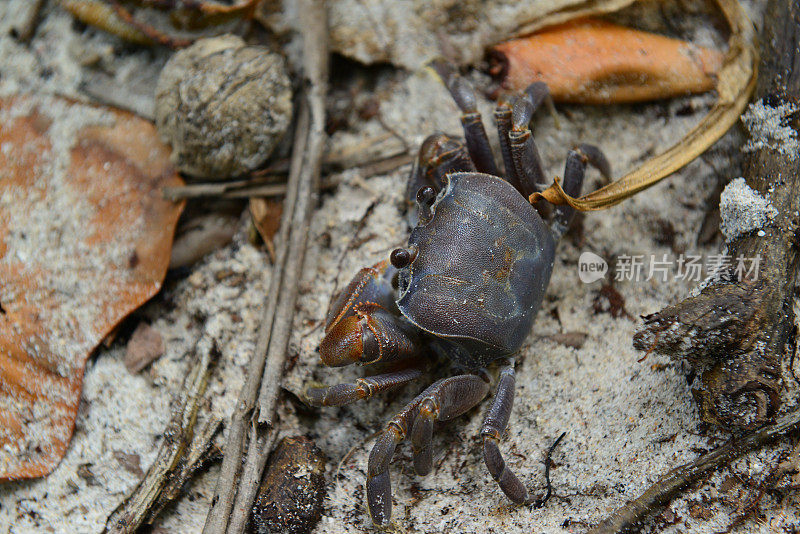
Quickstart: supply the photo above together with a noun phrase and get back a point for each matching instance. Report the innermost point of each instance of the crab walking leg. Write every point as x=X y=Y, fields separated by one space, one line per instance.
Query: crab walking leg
x=493 y=427
x=474 y=132
x=596 y=159
x=574 y=172
x=362 y=388
x=439 y=155
x=502 y=119
x=379 y=486
x=451 y=398
x=524 y=154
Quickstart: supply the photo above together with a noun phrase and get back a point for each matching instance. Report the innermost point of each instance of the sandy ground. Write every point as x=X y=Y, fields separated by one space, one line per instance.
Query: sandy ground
x=626 y=421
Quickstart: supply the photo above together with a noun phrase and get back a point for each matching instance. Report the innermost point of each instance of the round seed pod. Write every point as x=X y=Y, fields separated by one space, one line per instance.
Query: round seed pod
x=223 y=106
x=290 y=497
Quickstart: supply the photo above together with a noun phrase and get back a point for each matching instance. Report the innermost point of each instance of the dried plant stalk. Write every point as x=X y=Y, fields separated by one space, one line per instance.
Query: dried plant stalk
x=735 y=85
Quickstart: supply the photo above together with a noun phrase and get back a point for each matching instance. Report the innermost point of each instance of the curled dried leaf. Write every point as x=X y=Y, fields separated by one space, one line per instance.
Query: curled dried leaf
x=85 y=239
x=735 y=84
x=112 y=17
x=267 y=219
x=595 y=62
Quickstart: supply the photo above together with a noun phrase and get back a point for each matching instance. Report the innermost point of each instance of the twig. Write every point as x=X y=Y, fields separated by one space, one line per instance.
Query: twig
x=257 y=455
x=736 y=332
x=201 y=452
x=223 y=191
x=274 y=331
x=665 y=488
x=225 y=491
x=547 y=461
x=313 y=20
x=257 y=187
x=180 y=455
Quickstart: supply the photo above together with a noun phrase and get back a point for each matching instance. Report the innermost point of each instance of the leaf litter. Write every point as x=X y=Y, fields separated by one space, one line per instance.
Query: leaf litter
x=85 y=239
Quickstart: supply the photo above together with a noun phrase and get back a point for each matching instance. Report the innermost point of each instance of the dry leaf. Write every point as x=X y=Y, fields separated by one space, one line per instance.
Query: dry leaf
x=596 y=62
x=735 y=84
x=85 y=239
x=132 y=463
x=267 y=219
x=118 y=20
x=144 y=346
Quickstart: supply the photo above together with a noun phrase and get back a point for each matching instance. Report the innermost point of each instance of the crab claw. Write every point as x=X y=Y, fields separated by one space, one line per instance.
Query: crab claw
x=364 y=325
x=372 y=334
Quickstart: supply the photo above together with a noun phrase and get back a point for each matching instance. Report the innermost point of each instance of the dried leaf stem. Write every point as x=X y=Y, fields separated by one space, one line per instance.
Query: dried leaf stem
x=265 y=186
x=665 y=488
x=735 y=85
x=274 y=331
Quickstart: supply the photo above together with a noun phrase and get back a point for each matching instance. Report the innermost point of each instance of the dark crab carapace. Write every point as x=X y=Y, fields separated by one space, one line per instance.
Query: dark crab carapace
x=468 y=286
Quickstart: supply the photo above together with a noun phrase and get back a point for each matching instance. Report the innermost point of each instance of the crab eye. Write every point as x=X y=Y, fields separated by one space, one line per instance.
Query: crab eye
x=425 y=195
x=402 y=257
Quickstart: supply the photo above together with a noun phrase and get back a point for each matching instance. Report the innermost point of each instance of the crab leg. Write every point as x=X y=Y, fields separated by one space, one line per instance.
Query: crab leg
x=502 y=119
x=362 y=388
x=379 y=485
x=524 y=154
x=453 y=397
x=493 y=427
x=474 y=132
x=574 y=172
x=438 y=155
x=458 y=394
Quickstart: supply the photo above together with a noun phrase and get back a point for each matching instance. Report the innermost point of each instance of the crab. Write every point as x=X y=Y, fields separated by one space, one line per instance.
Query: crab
x=467 y=287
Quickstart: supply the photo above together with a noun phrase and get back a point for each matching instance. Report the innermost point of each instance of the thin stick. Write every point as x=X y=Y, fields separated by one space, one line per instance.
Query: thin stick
x=223 y=191
x=171 y=460
x=660 y=493
x=547 y=461
x=279 y=308
x=256 y=187
x=313 y=21
x=315 y=66
x=225 y=491
x=252 y=471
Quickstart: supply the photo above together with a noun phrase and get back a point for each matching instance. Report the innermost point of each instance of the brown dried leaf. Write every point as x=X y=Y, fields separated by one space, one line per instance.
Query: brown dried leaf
x=595 y=62
x=131 y=462
x=118 y=20
x=267 y=219
x=144 y=346
x=735 y=84
x=85 y=239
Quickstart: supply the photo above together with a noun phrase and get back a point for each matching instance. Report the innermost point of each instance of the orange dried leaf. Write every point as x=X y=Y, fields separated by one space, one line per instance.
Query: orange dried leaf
x=267 y=220
x=596 y=62
x=736 y=82
x=85 y=239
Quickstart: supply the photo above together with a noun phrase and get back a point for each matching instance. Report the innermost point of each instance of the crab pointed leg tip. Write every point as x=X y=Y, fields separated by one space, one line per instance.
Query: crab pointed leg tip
x=379 y=499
